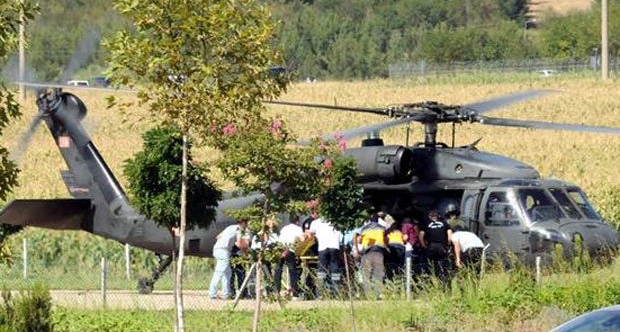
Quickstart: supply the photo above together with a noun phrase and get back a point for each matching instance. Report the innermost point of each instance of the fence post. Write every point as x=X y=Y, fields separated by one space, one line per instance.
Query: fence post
x=104 y=277
x=127 y=261
x=408 y=277
x=483 y=259
x=25 y=258
x=538 y=271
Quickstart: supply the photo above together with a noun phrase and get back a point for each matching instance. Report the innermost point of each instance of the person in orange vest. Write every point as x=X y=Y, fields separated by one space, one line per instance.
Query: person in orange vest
x=373 y=245
x=396 y=251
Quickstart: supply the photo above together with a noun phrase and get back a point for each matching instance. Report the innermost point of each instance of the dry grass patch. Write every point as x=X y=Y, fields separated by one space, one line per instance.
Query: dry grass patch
x=559 y=6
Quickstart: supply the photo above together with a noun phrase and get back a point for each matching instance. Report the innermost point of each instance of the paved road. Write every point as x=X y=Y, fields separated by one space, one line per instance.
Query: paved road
x=163 y=300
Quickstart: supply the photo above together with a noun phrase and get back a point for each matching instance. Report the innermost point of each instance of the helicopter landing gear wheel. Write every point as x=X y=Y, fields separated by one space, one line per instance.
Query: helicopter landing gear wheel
x=146 y=285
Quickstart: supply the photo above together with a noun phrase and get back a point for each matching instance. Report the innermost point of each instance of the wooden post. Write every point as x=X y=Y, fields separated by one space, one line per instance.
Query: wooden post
x=243 y=286
x=408 y=277
x=346 y=266
x=604 y=41
x=25 y=258
x=483 y=259
x=127 y=261
x=259 y=268
x=538 y=271
x=22 y=56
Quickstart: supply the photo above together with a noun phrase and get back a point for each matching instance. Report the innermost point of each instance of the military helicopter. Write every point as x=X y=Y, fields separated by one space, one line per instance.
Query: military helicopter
x=400 y=178
x=504 y=201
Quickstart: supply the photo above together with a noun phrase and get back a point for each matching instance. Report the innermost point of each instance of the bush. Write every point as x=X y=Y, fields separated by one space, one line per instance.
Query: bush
x=31 y=311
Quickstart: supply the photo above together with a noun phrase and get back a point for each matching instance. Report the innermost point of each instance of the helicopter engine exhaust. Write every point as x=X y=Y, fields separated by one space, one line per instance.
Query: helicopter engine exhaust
x=392 y=163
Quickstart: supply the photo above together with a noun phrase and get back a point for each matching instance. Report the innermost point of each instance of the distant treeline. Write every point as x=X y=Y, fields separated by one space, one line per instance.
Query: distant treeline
x=345 y=39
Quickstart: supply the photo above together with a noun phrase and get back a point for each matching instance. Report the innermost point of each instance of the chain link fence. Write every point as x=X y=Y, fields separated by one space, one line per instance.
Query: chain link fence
x=117 y=282
x=544 y=67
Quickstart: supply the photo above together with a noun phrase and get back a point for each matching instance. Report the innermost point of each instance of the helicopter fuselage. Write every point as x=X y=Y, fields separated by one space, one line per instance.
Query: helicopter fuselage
x=503 y=200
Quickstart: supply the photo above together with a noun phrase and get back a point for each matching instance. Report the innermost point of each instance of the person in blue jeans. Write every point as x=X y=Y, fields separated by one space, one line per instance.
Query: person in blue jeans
x=231 y=236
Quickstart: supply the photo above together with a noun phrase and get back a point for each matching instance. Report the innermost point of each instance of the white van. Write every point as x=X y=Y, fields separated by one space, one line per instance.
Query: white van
x=77 y=83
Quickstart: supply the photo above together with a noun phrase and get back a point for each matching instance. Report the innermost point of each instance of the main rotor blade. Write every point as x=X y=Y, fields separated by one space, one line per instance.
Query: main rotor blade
x=352 y=133
x=381 y=111
x=546 y=125
x=491 y=104
x=79 y=87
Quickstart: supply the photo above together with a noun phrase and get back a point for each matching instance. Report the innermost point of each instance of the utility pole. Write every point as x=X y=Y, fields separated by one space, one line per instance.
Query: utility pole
x=22 y=55
x=604 y=37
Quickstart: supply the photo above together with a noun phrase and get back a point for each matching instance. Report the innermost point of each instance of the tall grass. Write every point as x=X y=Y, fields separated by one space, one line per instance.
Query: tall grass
x=502 y=301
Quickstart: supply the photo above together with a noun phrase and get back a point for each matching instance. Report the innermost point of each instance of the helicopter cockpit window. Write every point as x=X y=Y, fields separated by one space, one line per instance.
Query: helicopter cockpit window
x=582 y=202
x=566 y=203
x=499 y=211
x=538 y=205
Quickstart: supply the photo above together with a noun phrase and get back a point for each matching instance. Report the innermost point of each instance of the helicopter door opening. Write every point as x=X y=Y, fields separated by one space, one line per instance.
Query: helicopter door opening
x=503 y=227
x=469 y=208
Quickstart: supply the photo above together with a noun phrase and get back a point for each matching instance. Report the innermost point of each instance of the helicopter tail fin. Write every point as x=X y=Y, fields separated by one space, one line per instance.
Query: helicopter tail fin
x=63 y=214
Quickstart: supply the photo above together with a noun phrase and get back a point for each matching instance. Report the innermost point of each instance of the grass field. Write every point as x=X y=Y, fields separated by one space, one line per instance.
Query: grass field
x=505 y=301
x=558 y=6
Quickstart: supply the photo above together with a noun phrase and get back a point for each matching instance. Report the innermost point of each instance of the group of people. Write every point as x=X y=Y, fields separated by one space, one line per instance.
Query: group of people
x=377 y=251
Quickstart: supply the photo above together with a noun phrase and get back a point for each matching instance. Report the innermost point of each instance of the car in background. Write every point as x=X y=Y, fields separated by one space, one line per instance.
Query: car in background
x=601 y=320
x=78 y=83
x=101 y=81
x=547 y=72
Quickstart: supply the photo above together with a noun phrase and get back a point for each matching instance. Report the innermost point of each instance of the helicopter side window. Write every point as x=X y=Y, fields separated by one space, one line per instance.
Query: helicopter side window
x=566 y=203
x=582 y=202
x=538 y=205
x=499 y=211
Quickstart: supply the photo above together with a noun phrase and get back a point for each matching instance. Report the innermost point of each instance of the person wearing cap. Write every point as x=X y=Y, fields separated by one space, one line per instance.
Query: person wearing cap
x=435 y=237
x=373 y=240
x=452 y=215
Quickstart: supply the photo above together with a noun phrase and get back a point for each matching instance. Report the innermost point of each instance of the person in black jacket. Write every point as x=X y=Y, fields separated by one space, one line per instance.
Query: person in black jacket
x=435 y=238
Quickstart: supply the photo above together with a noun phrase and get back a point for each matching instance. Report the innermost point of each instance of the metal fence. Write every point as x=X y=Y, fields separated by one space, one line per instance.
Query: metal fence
x=100 y=282
x=112 y=282
x=545 y=67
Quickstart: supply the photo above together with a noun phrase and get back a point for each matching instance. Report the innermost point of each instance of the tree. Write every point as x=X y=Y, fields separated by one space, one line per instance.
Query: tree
x=198 y=65
x=154 y=176
x=12 y=14
x=292 y=180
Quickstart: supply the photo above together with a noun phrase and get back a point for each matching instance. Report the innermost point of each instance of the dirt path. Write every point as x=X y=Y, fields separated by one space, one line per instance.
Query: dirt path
x=164 y=300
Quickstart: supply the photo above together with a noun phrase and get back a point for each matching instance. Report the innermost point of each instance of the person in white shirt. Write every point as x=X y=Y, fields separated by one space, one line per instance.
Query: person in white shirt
x=329 y=271
x=229 y=237
x=289 y=236
x=467 y=249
